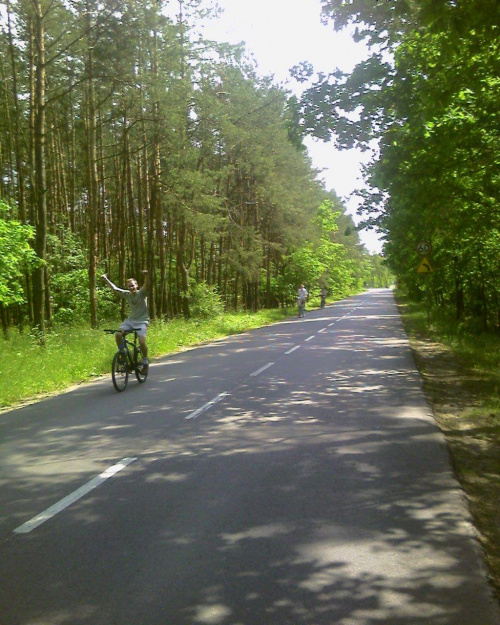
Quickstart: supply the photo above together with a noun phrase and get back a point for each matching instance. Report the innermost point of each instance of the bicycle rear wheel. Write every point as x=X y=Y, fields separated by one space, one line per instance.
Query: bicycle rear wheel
x=119 y=371
x=141 y=373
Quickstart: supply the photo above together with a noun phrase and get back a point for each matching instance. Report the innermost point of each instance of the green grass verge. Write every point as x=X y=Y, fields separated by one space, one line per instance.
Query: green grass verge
x=72 y=355
x=476 y=350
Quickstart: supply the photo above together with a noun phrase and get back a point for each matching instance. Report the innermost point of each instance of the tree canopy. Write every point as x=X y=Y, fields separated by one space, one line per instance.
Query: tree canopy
x=427 y=97
x=129 y=142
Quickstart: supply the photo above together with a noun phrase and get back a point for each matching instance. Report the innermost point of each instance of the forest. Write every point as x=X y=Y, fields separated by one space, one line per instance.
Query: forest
x=127 y=141
x=426 y=102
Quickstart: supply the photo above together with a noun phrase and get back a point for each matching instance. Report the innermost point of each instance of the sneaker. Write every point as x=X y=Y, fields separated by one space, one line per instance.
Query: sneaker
x=145 y=363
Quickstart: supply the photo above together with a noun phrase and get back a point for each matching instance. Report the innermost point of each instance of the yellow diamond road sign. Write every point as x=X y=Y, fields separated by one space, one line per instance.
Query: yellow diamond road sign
x=425 y=266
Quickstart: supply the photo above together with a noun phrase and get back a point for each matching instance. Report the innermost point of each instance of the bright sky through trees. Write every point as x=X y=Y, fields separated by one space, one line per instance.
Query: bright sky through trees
x=281 y=34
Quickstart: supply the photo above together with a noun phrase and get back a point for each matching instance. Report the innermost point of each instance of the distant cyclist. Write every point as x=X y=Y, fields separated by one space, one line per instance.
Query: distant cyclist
x=302 y=295
x=139 y=315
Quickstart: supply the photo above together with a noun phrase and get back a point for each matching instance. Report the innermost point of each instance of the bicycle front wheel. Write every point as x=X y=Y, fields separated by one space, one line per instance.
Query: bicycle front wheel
x=119 y=371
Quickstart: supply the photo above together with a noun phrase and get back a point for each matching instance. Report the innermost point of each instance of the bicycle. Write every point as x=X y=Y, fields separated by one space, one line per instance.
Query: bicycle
x=128 y=358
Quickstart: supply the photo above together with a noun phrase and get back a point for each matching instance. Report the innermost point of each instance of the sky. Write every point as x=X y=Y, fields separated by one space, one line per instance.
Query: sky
x=281 y=34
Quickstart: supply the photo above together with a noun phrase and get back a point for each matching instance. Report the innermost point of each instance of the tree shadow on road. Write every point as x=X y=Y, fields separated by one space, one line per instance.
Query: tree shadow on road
x=320 y=495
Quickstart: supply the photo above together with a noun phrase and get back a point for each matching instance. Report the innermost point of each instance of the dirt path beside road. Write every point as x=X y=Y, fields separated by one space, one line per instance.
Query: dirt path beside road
x=461 y=401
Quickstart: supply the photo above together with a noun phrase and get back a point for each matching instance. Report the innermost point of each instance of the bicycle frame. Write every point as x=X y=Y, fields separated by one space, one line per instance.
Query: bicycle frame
x=125 y=344
x=127 y=360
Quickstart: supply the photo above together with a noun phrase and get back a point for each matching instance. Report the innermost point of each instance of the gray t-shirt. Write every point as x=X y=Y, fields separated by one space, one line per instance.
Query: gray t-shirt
x=138 y=303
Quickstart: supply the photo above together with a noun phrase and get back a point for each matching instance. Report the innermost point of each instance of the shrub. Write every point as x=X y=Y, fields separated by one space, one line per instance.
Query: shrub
x=70 y=295
x=205 y=301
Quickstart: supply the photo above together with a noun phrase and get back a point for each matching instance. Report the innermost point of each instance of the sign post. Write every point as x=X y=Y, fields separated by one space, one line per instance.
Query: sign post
x=423 y=249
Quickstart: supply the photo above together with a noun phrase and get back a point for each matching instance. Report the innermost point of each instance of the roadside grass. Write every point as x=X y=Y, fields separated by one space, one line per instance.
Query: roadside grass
x=461 y=372
x=72 y=355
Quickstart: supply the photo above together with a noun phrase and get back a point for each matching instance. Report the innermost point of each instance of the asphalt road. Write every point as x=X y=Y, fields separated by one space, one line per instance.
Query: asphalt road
x=290 y=475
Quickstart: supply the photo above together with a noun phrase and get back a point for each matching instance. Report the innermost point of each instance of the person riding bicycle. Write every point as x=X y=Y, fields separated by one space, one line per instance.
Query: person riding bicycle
x=139 y=315
x=302 y=295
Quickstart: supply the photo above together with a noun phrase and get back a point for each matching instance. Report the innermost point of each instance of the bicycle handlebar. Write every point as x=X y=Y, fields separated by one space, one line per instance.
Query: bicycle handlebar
x=124 y=332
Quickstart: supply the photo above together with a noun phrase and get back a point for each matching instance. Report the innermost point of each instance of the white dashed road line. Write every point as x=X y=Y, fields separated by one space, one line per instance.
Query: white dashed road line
x=207 y=406
x=259 y=371
x=70 y=499
x=111 y=471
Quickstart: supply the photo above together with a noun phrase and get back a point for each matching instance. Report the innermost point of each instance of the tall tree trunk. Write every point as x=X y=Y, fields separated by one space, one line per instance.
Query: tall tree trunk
x=21 y=200
x=104 y=222
x=92 y=181
x=459 y=292
x=140 y=212
x=39 y=156
x=132 y=214
x=8 y=183
x=157 y=211
x=20 y=168
x=268 y=277
x=183 y=268
x=72 y=165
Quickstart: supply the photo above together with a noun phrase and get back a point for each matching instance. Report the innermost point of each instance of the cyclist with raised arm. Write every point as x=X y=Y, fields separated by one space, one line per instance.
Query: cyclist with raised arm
x=138 y=319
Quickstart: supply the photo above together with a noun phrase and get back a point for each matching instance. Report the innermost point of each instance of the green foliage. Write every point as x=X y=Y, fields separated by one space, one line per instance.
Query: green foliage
x=305 y=267
x=205 y=301
x=108 y=304
x=431 y=102
x=379 y=274
x=17 y=257
x=70 y=296
x=69 y=282
x=322 y=262
x=160 y=150
x=66 y=252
